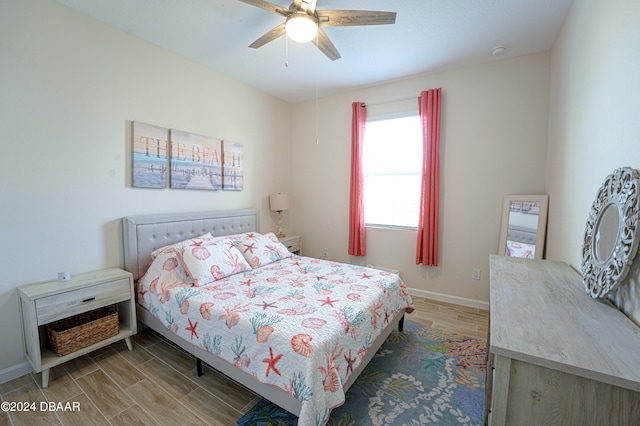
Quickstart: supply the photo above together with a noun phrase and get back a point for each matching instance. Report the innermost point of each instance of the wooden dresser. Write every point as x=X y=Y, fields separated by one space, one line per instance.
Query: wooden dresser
x=557 y=356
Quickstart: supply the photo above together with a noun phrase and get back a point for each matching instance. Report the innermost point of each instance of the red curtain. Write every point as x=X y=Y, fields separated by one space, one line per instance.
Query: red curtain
x=356 y=207
x=429 y=109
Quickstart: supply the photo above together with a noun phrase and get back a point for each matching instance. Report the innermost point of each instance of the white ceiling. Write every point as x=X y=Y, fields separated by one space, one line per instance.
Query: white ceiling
x=428 y=36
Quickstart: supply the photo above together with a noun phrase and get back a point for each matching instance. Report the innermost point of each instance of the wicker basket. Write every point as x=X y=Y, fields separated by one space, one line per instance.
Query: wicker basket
x=79 y=331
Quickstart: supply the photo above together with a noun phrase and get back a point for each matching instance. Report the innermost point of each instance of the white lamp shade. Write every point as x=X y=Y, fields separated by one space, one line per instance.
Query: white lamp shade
x=279 y=202
x=301 y=27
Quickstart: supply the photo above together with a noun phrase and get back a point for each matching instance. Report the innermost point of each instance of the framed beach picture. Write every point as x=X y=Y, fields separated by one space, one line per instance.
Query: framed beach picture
x=148 y=155
x=196 y=161
x=233 y=166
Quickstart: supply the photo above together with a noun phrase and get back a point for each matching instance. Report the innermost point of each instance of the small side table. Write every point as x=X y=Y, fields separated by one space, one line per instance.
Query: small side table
x=293 y=243
x=45 y=302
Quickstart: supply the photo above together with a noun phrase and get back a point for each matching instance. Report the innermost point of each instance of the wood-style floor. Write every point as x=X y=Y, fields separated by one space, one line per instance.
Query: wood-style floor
x=156 y=383
x=449 y=317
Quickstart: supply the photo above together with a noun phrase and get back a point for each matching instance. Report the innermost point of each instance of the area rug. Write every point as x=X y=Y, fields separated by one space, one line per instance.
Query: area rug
x=419 y=376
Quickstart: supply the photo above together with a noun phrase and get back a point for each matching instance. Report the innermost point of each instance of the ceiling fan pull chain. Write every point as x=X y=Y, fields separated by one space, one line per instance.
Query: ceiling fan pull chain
x=316 y=69
x=286 y=51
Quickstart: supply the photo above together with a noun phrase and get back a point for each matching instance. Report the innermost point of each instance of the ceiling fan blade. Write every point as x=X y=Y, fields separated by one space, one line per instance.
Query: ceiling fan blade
x=269 y=36
x=268 y=6
x=343 y=18
x=324 y=44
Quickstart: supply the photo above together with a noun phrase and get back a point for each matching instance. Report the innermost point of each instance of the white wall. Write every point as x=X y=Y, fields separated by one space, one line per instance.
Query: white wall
x=69 y=88
x=594 y=126
x=493 y=142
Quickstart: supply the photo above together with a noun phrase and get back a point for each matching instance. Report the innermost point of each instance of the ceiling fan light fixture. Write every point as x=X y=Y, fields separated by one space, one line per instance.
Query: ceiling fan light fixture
x=301 y=27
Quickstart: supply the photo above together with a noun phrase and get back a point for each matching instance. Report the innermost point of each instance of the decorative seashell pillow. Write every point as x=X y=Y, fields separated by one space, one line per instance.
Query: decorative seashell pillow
x=164 y=273
x=213 y=262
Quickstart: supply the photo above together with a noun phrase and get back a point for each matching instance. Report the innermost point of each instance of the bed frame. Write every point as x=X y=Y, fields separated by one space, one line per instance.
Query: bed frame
x=145 y=233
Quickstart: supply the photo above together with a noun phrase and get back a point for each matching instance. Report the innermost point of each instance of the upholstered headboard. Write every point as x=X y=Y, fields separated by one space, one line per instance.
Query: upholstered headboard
x=521 y=235
x=145 y=233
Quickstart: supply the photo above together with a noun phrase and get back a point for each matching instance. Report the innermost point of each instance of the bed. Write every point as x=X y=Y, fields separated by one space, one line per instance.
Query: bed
x=521 y=242
x=295 y=330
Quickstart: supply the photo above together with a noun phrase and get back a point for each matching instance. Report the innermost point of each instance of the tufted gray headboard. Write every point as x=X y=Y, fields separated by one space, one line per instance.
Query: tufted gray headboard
x=145 y=233
x=521 y=235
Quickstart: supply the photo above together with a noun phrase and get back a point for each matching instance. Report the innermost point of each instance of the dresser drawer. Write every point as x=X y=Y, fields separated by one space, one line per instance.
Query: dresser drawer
x=66 y=304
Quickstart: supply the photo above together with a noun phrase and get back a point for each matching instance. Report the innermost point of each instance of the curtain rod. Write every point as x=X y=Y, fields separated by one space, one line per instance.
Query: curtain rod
x=391 y=101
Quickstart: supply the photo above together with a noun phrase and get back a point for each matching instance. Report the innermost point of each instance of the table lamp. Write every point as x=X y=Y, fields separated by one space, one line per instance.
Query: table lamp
x=279 y=202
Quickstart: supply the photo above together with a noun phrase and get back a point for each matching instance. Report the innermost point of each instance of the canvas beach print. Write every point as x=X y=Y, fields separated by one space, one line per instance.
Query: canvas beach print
x=148 y=155
x=233 y=166
x=196 y=161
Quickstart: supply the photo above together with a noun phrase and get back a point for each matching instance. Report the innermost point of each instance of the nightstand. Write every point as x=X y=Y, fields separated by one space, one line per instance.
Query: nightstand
x=45 y=302
x=293 y=243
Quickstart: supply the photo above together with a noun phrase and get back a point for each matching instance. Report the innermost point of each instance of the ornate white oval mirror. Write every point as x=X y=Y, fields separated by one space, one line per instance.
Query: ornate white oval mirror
x=524 y=226
x=611 y=235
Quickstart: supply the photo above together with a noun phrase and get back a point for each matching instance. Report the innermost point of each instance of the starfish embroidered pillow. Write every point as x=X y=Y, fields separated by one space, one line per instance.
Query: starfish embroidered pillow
x=180 y=246
x=260 y=250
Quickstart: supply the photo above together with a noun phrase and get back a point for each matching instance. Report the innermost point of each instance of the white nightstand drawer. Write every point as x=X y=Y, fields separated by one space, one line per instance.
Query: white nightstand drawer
x=292 y=245
x=44 y=302
x=66 y=304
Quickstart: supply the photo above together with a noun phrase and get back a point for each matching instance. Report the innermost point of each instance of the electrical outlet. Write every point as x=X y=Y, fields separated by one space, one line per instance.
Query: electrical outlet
x=325 y=253
x=475 y=274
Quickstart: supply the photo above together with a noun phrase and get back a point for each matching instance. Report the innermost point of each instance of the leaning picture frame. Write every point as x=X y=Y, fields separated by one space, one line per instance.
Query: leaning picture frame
x=524 y=226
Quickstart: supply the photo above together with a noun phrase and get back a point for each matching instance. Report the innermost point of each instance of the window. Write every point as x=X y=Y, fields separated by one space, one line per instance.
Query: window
x=392 y=166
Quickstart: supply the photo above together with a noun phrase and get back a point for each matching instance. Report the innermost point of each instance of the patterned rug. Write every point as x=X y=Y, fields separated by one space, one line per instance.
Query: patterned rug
x=419 y=376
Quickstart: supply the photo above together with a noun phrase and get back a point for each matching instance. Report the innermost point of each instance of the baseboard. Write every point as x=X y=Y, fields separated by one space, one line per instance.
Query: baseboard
x=15 y=371
x=457 y=300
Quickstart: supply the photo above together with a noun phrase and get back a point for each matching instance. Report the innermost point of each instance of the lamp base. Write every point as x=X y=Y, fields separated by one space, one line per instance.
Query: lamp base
x=280 y=233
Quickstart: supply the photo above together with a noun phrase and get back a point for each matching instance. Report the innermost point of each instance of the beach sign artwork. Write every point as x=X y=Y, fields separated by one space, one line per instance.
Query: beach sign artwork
x=233 y=166
x=149 y=156
x=196 y=161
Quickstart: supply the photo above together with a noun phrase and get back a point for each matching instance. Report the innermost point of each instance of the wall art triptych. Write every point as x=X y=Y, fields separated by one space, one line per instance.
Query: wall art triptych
x=184 y=160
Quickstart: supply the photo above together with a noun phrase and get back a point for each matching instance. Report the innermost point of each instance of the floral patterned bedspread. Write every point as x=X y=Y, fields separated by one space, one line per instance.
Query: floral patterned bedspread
x=299 y=323
x=516 y=249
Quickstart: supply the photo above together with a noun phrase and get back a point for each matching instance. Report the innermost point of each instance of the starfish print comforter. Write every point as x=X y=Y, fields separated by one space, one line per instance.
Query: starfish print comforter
x=299 y=323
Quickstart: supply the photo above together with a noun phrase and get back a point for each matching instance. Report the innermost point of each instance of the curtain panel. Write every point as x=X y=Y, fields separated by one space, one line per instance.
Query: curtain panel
x=429 y=110
x=356 y=205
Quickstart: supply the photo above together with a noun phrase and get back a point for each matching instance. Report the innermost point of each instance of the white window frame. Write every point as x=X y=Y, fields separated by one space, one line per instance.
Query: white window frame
x=385 y=117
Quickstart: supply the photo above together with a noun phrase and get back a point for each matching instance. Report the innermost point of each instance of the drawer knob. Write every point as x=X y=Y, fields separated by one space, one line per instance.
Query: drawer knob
x=88 y=300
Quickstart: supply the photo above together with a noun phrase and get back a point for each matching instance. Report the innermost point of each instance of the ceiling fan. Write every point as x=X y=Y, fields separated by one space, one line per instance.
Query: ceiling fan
x=304 y=23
